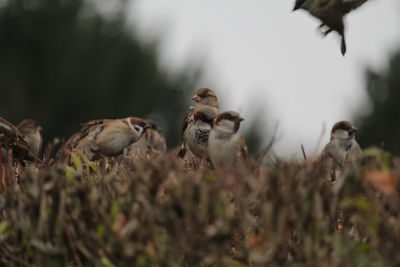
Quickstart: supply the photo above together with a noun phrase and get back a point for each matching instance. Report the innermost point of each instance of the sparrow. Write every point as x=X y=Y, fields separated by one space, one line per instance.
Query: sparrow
x=225 y=144
x=151 y=142
x=343 y=149
x=107 y=137
x=12 y=139
x=331 y=14
x=32 y=134
x=203 y=97
x=195 y=137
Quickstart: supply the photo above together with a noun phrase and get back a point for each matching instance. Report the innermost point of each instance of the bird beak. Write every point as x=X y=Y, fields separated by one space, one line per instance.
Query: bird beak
x=196 y=98
x=298 y=4
x=353 y=130
x=240 y=119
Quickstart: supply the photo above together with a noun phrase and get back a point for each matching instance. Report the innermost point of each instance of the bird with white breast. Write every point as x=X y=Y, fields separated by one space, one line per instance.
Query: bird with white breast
x=31 y=132
x=225 y=144
x=342 y=149
x=151 y=143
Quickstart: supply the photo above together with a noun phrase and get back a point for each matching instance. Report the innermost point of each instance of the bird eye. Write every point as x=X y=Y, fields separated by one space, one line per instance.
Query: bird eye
x=138 y=128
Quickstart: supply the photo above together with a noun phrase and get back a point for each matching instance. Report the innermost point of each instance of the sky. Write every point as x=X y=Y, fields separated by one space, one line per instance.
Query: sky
x=263 y=59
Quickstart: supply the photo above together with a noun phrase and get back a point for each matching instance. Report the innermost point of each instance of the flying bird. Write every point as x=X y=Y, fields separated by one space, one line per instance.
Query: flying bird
x=331 y=13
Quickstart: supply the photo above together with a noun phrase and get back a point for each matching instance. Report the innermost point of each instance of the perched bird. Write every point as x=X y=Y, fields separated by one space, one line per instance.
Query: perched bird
x=11 y=139
x=196 y=134
x=225 y=144
x=343 y=148
x=107 y=137
x=331 y=14
x=32 y=134
x=151 y=142
x=203 y=97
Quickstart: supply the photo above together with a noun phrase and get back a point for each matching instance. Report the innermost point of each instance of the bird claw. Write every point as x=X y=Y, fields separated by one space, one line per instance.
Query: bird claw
x=324 y=30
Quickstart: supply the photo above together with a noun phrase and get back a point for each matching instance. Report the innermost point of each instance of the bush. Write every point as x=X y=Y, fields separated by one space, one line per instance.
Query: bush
x=122 y=212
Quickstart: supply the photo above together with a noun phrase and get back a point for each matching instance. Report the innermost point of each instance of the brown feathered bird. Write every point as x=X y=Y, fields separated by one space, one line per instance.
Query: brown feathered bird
x=151 y=143
x=106 y=137
x=196 y=134
x=204 y=97
x=225 y=144
x=331 y=13
x=343 y=149
x=31 y=131
x=12 y=139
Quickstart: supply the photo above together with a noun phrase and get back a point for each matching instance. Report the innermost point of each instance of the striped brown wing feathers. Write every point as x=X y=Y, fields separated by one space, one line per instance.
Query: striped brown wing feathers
x=349 y=5
x=188 y=118
x=8 y=128
x=243 y=148
x=11 y=138
x=88 y=126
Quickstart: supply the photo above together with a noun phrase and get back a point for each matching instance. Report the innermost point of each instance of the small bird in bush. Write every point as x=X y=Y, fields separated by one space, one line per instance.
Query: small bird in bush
x=107 y=137
x=32 y=134
x=225 y=144
x=331 y=14
x=343 y=148
x=12 y=139
x=196 y=134
x=151 y=142
x=203 y=97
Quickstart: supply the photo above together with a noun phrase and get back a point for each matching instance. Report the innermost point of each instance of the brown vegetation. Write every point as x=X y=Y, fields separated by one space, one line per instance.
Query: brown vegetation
x=124 y=212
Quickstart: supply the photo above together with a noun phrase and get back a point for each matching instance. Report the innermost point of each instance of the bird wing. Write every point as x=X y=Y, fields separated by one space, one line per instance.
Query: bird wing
x=355 y=151
x=243 y=148
x=324 y=3
x=349 y=5
x=331 y=151
x=11 y=138
x=188 y=118
x=88 y=126
x=8 y=128
x=82 y=138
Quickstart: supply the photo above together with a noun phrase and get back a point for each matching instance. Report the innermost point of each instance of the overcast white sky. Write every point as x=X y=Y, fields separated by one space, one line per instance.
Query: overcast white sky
x=259 y=53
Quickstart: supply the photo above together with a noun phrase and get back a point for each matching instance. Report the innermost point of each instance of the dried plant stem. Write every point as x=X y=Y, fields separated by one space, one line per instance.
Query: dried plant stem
x=304 y=152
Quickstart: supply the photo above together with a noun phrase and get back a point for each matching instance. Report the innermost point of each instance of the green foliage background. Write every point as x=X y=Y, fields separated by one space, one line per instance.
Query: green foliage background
x=382 y=125
x=63 y=63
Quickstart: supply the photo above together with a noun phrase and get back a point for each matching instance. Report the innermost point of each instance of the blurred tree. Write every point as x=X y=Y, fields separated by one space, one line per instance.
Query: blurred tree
x=382 y=125
x=62 y=62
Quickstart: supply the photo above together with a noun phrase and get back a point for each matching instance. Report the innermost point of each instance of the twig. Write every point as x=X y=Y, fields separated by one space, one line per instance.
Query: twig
x=320 y=138
x=72 y=244
x=2 y=181
x=265 y=150
x=304 y=152
x=49 y=150
x=16 y=259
